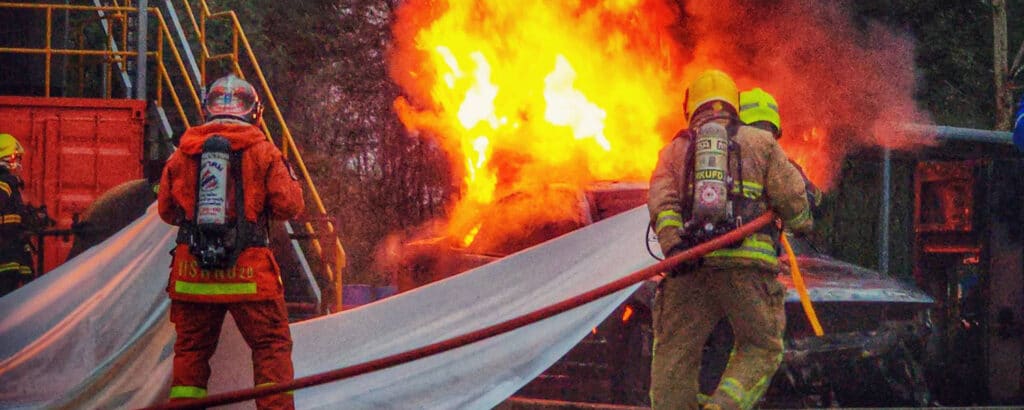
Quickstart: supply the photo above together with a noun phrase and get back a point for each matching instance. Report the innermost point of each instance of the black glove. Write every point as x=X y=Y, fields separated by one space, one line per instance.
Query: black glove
x=685 y=266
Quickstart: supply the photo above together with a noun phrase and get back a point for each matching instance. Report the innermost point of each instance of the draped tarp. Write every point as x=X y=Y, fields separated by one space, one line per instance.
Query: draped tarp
x=94 y=333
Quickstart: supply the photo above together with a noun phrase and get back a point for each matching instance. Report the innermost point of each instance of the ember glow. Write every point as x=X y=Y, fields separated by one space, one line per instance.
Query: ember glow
x=806 y=150
x=530 y=94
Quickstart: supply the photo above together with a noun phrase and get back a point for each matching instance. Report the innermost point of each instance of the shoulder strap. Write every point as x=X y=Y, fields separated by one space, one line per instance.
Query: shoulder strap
x=688 y=183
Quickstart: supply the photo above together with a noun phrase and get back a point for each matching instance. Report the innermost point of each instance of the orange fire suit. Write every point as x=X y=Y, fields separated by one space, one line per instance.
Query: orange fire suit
x=736 y=283
x=251 y=290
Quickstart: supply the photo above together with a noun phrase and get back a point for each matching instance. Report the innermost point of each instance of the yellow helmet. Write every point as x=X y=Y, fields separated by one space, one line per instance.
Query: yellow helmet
x=757 y=105
x=711 y=85
x=10 y=152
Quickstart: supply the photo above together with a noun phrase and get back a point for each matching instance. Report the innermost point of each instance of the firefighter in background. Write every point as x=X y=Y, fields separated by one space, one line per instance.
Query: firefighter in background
x=221 y=262
x=758 y=109
x=15 y=257
x=738 y=282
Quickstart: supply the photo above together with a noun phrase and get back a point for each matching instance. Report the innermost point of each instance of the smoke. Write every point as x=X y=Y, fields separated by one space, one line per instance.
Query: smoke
x=840 y=86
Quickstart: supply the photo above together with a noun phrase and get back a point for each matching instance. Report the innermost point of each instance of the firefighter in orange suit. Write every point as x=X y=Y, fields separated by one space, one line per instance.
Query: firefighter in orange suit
x=15 y=258
x=737 y=282
x=234 y=272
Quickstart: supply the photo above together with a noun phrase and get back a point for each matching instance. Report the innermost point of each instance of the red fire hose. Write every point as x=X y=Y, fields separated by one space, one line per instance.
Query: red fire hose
x=477 y=335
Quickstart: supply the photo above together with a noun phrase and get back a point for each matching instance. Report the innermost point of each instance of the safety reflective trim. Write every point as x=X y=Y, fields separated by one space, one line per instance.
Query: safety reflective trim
x=734 y=389
x=11 y=266
x=752 y=106
x=187 y=392
x=193 y=288
x=751 y=189
x=751 y=248
x=668 y=218
x=10 y=219
x=703 y=398
x=289 y=392
x=800 y=219
x=755 y=393
x=5 y=187
x=759 y=388
x=25 y=270
x=743 y=253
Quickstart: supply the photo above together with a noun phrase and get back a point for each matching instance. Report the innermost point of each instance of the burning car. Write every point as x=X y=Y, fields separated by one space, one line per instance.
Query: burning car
x=876 y=326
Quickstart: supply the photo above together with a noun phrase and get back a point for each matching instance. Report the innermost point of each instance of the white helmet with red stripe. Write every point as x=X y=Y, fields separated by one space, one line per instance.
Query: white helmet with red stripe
x=234 y=98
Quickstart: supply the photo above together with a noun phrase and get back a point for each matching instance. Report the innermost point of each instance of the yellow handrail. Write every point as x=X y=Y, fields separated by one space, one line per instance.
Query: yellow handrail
x=288 y=145
x=164 y=38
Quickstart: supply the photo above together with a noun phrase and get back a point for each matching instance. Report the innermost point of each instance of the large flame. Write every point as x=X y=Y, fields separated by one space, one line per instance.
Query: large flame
x=529 y=94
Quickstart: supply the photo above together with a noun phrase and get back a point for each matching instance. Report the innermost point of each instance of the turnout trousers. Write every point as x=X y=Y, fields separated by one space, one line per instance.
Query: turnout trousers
x=688 y=306
x=263 y=325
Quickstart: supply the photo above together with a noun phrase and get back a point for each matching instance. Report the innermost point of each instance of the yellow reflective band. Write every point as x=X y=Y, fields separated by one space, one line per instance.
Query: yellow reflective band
x=800 y=219
x=187 y=392
x=289 y=392
x=10 y=219
x=15 y=266
x=751 y=248
x=755 y=393
x=192 y=288
x=742 y=253
x=668 y=218
x=753 y=185
x=703 y=398
x=751 y=106
x=25 y=270
x=5 y=187
x=732 y=388
x=751 y=189
x=759 y=241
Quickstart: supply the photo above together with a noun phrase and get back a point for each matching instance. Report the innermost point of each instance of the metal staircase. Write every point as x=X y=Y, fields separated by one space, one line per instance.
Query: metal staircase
x=182 y=39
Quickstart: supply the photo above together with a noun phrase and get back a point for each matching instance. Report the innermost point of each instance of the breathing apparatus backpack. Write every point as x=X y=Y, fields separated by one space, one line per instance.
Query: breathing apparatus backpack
x=712 y=205
x=213 y=239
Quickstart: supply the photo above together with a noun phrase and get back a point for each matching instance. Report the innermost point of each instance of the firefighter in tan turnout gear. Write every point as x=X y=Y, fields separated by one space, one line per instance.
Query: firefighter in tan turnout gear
x=711 y=178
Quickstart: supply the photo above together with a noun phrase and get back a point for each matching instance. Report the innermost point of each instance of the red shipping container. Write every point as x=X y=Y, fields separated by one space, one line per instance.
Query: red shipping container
x=76 y=149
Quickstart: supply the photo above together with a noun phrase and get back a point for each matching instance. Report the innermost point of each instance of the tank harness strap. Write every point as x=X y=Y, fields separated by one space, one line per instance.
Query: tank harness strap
x=247 y=234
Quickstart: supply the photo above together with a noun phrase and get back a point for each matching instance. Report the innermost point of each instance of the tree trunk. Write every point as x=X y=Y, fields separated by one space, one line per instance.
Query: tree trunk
x=1004 y=103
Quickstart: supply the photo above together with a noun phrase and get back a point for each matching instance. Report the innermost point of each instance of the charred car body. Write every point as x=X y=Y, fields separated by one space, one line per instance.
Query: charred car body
x=876 y=326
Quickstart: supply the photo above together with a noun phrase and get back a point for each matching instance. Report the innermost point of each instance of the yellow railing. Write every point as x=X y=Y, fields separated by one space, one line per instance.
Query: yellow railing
x=118 y=14
x=164 y=82
x=239 y=42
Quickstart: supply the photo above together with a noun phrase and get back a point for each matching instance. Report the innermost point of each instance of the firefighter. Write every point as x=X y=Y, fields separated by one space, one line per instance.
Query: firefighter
x=15 y=258
x=758 y=109
x=736 y=283
x=221 y=262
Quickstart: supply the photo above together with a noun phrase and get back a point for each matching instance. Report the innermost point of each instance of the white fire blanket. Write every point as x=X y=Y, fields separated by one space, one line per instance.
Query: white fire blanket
x=94 y=332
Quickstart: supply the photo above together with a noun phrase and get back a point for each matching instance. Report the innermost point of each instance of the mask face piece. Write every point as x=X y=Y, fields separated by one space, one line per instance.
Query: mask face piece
x=11 y=162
